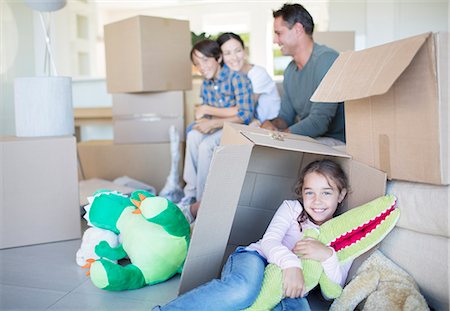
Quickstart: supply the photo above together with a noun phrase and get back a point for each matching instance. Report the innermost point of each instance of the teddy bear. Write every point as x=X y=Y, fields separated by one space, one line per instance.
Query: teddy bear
x=380 y=284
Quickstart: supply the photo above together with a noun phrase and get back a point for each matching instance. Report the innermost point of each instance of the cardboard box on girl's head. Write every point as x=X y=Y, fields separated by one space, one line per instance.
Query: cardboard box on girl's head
x=251 y=173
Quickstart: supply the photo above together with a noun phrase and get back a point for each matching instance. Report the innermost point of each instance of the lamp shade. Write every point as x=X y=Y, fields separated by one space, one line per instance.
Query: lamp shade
x=43 y=106
x=46 y=5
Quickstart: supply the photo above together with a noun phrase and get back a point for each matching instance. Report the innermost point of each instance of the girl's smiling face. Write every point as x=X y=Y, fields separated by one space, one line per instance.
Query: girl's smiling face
x=320 y=197
x=233 y=54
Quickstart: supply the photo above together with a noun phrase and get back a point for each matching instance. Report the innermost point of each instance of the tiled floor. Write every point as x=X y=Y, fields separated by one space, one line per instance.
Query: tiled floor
x=46 y=277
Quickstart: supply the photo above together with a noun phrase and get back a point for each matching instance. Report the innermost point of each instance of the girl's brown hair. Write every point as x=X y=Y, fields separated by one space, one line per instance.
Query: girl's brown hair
x=327 y=168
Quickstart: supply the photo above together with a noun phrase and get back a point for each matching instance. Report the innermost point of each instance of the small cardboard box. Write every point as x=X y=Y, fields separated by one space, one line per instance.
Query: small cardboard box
x=38 y=190
x=147 y=117
x=146 y=53
x=251 y=173
x=149 y=163
x=396 y=106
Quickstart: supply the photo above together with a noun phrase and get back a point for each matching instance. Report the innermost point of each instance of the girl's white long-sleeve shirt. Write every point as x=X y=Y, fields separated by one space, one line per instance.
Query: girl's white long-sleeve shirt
x=281 y=236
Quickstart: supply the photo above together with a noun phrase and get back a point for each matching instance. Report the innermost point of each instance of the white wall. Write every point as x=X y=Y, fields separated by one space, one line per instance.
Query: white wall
x=15 y=57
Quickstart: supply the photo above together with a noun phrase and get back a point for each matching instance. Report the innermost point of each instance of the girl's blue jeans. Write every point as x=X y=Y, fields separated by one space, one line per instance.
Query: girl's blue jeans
x=237 y=289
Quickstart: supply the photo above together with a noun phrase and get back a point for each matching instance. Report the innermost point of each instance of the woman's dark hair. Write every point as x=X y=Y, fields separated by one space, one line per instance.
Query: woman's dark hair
x=228 y=36
x=207 y=47
x=328 y=169
x=296 y=13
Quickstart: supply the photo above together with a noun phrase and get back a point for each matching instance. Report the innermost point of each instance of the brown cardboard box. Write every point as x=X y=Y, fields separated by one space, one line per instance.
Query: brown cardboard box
x=145 y=53
x=147 y=117
x=38 y=190
x=149 y=163
x=396 y=106
x=251 y=173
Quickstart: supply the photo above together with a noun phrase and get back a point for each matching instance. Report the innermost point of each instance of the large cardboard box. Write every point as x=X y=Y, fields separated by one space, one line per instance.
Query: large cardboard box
x=147 y=117
x=38 y=190
x=396 y=106
x=251 y=173
x=149 y=163
x=146 y=53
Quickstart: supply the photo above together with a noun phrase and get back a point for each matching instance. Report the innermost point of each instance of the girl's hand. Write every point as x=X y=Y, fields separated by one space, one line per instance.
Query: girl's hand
x=205 y=126
x=293 y=283
x=312 y=249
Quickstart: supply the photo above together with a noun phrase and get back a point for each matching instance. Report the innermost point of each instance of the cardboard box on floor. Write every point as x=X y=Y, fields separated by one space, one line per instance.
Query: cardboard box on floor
x=38 y=190
x=146 y=53
x=147 y=117
x=396 y=106
x=251 y=173
x=149 y=163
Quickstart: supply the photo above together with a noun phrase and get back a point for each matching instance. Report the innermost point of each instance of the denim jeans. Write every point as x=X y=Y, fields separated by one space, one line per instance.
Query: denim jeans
x=237 y=289
x=293 y=304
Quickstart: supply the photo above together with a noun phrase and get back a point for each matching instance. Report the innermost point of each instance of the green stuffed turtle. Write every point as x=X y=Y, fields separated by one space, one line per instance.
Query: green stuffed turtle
x=155 y=236
x=349 y=234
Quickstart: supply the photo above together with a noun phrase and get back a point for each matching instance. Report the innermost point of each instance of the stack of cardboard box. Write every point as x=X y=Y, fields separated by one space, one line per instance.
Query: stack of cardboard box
x=147 y=70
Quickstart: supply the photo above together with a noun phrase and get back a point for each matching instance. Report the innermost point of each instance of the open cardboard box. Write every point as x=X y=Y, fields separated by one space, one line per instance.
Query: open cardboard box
x=396 y=106
x=251 y=173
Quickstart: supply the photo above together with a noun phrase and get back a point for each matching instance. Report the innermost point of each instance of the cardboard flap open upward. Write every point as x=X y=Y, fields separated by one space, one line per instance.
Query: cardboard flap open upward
x=368 y=72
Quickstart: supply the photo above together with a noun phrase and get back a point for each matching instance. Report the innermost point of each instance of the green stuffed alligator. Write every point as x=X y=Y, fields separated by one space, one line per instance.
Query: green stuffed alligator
x=155 y=236
x=349 y=234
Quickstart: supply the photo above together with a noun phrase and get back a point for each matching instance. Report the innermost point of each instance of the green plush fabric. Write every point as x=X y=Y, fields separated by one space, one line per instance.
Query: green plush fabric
x=155 y=236
x=349 y=234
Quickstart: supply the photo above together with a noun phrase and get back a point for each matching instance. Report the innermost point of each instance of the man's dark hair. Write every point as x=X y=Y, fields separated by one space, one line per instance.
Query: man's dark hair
x=296 y=13
x=207 y=47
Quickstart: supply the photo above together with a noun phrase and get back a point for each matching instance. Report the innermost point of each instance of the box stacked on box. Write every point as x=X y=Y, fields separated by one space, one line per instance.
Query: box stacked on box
x=147 y=54
x=147 y=69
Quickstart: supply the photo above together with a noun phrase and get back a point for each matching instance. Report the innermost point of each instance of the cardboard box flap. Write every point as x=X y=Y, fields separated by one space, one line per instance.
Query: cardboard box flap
x=238 y=134
x=276 y=140
x=368 y=72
